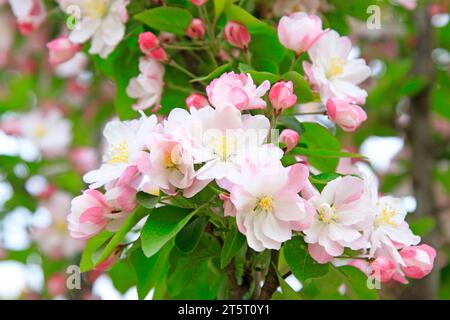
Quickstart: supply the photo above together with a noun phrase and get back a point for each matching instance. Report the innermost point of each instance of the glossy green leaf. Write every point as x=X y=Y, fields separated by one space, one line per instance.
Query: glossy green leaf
x=301 y=86
x=188 y=238
x=323 y=153
x=147 y=200
x=169 y=19
x=92 y=246
x=232 y=244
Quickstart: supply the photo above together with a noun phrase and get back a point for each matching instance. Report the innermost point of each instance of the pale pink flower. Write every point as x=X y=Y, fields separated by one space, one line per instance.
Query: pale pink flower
x=289 y=138
x=341 y=210
x=56 y=285
x=419 y=260
x=125 y=142
x=49 y=132
x=383 y=268
x=30 y=14
x=332 y=72
x=282 y=96
x=196 y=29
x=61 y=50
x=93 y=211
x=103 y=21
x=72 y=67
x=299 y=31
x=346 y=114
x=268 y=207
x=147 y=87
x=390 y=230
x=237 y=34
x=196 y=100
x=149 y=45
x=238 y=90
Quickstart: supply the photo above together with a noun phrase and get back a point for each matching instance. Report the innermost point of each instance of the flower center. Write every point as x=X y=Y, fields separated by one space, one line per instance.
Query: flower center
x=119 y=153
x=168 y=163
x=385 y=217
x=40 y=131
x=327 y=213
x=224 y=147
x=265 y=204
x=336 y=67
x=96 y=9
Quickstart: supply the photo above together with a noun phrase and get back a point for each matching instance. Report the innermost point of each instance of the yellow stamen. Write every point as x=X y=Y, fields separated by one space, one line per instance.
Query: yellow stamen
x=40 y=131
x=96 y=9
x=224 y=147
x=119 y=153
x=336 y=67
x=168 y=161
x=385 y=217
x=327 y=213
x=265 y=204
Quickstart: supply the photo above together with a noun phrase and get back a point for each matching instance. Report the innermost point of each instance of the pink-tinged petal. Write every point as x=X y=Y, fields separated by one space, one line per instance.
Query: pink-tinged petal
x=319 y=254
x=297 y=178
x=94 y=215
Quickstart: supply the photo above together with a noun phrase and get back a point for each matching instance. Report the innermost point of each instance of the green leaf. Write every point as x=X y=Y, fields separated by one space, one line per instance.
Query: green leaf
x=116 y=273
x=259 y=76
x=301 y=86
x=291 y=123
x=132 y=220
x=239 y=14
x=321 y=180
x=161 y=226
x=300 y=262
x=92 y=246
x=422 y=226
x=188 y=238
x=147 y=200
x=233 y=243
x=356 y=284
x=169 y=19
x=316 y=136
x=219 y=7
x=287 y=292
x=322 y=153
x=214 y=74
x=149 y=270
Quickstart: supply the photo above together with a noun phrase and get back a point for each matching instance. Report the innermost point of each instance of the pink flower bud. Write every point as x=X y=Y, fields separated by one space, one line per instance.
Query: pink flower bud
x=299 y=31
x=346 y=114
x=56 y=285
x=196 y=100
x=149 y=45
x=282 y=95
x=196 y=29
x=199 y=3
x=237 y=34
x=61 y=50
x=383 y=268
x=290 y=138
x=419 y=260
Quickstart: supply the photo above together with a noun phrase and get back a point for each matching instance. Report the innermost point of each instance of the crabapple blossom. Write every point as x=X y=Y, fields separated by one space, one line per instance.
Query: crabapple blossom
x=196 y=29
x=49 y=131
x=149 y=45
x=289 y=138
x=196 y=100
x=61 y=50
x=299 y=31
x=148 y=85
x=30 y=14
x=332 y=72
x=342 y=209
x=72 y=67
x=93 y=211
x=418 y=260
x=383 y=268
x=346 y=114
x=125 y=141
x=268 y=207
x=282 y=95
x=238 y=90
x=237 y=34
x=390 y=230
x=103 y=21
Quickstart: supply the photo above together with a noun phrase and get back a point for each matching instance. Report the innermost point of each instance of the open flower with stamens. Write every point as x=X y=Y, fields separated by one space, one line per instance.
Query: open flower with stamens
x=125 y=142
x=332 y=72
x=390 y=230
x=341 y=209
x=103 y=21
x=268 y=207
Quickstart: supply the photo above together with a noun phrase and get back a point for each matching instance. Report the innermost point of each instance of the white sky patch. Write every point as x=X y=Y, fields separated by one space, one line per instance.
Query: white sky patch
x=381 y=151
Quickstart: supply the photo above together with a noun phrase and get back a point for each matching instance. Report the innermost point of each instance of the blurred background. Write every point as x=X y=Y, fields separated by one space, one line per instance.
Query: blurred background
x=51 y=120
